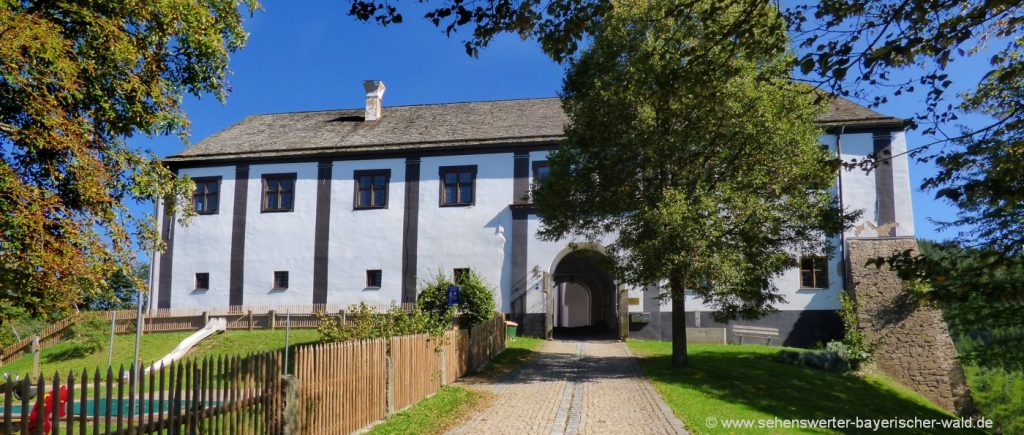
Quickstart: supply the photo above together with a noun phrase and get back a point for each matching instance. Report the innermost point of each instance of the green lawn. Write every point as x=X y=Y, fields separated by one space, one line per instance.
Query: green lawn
x=742 y=382
x=156 y=345
x=516 y=352
x=443 y=410
x=433 y=415
x=57 y=357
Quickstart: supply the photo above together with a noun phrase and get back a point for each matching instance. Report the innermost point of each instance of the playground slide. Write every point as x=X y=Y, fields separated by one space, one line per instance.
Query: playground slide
x=215 y=326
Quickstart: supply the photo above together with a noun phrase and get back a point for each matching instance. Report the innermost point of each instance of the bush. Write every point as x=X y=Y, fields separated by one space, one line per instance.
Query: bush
x=854 y=348
x=367 y=324
x=87 y=335
x=818 y=359
x=476 y=300
x=12 y=318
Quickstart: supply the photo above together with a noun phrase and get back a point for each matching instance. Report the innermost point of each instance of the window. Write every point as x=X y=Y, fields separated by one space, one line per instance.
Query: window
x=457 y=185
x=372 y=188
x=202 y=281
x=813 y=272
x=278 y=192
x=540 y=171
x=207 y=195
x=373 y=278
x=281 y=280
x=459 y=275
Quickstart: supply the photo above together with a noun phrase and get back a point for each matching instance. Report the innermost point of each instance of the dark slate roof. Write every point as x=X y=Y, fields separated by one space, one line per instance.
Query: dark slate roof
x=424 y=127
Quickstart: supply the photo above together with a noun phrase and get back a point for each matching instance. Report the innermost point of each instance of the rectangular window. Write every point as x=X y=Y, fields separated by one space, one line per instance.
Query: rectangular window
x=372 y=188
x=373 y=278
x=540 y=172
x=206 y=198
x=459 y=275
x=281 y=280
x=457 y=185
x=202 y=281
x=813 y=272
x=278 y=192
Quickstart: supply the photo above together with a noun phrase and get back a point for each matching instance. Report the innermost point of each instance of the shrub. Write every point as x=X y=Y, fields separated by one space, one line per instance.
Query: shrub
x=855 y=348
x=818 y=359
x=87 y=335
x=476 y=300
x=367 y=323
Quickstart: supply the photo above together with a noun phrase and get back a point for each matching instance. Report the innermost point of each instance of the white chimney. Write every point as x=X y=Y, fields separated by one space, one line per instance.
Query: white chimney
x=374 y=95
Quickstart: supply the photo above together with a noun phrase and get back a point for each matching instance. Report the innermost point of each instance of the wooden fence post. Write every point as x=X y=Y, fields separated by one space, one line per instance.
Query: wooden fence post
x=290 y=410
x=206 y=319
x=250 y=320
x=443 y=362
x=390 y=380
x=272 y=319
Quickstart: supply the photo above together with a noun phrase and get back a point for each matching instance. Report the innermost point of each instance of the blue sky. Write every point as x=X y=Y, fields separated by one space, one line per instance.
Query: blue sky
x=311 y=56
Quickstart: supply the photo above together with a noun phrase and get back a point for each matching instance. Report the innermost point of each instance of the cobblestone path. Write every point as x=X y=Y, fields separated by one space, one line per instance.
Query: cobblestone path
x=575 y=387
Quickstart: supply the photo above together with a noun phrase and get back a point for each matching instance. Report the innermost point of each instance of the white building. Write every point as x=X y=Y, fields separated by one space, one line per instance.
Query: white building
x=344 y=206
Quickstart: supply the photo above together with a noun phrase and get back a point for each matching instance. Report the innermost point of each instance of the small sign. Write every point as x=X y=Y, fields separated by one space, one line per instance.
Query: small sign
x=634 y=301
x=453 y=295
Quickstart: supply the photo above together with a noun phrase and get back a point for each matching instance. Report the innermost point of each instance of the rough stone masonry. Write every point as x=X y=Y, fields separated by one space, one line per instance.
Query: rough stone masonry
x=912 y=342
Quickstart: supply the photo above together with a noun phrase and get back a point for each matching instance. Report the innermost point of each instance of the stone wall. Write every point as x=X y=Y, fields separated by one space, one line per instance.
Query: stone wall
x=912 y=343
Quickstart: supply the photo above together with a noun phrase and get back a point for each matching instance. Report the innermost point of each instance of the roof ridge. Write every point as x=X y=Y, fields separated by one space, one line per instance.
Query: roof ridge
x=450 y=103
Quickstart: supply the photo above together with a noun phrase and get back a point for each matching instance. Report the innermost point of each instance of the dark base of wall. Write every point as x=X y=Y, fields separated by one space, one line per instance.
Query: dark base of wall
x=806 y=328
x=531 y=324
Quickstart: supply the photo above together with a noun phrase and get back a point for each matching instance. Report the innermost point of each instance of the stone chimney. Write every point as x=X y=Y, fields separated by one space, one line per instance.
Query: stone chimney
x=374 y=95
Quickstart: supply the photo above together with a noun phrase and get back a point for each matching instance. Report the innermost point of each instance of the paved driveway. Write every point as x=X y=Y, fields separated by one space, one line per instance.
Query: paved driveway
x=575 y=387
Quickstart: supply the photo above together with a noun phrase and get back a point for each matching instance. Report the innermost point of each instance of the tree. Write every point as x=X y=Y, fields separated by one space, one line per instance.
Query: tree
x=121 y=290
x=77 y=79
x=696 y=153
x=869 y=50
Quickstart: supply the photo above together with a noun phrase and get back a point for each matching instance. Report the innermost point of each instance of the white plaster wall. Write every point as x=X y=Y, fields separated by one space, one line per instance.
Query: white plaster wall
x=361 y=240
x=478 y=236
x=204 y=246
x=901 y=184
x=280 y=241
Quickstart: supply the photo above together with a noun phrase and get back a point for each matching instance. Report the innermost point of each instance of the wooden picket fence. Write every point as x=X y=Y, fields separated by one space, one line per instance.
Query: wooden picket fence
x=191 y=319
x=225 y=395
x=342 y=387
x=346 y=386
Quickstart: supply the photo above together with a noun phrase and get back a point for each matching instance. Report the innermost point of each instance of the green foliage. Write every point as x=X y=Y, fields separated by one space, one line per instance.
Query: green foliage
x=367 y=323
x=121 y=290
x=89 y=334
x=19 y=318
x=77 y=78
x=818 y=359
x=476 y=299
x=998 y=392
x=855 y=348
x=709 y=172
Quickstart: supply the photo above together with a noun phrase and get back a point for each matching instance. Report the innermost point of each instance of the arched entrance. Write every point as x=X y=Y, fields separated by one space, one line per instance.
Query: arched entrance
x=585 y=299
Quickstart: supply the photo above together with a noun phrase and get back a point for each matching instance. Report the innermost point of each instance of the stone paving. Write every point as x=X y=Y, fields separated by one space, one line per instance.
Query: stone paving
x=575 y=387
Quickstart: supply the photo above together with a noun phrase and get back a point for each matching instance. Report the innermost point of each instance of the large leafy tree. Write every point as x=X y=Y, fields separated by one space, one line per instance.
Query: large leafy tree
x=76 y=80
x=871 y=50
x=696 y=153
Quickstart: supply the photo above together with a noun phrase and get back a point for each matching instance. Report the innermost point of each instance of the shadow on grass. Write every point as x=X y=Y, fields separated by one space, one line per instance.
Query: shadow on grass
x=746 y=383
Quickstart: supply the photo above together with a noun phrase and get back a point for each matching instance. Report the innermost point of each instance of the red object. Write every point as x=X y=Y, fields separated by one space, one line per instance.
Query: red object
x=34 y=417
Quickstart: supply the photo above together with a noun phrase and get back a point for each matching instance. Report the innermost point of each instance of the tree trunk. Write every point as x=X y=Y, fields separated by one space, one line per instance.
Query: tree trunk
x=677 y=287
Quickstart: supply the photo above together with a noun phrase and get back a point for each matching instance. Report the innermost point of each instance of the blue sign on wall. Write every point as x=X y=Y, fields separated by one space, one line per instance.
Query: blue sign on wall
x=453 y=295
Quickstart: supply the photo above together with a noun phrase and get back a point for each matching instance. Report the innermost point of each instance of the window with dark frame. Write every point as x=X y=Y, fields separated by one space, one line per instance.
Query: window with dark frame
x=459 y=275
x=540 y=172
x=813 y=272
x=206 y=199
x=371 y=188
x=457 y=185
x=281 y=280
x=278 y=192
x=374 y=278
x=203 y=281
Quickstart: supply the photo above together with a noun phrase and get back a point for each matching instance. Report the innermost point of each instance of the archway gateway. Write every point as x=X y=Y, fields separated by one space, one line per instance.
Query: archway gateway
x=586 y=298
